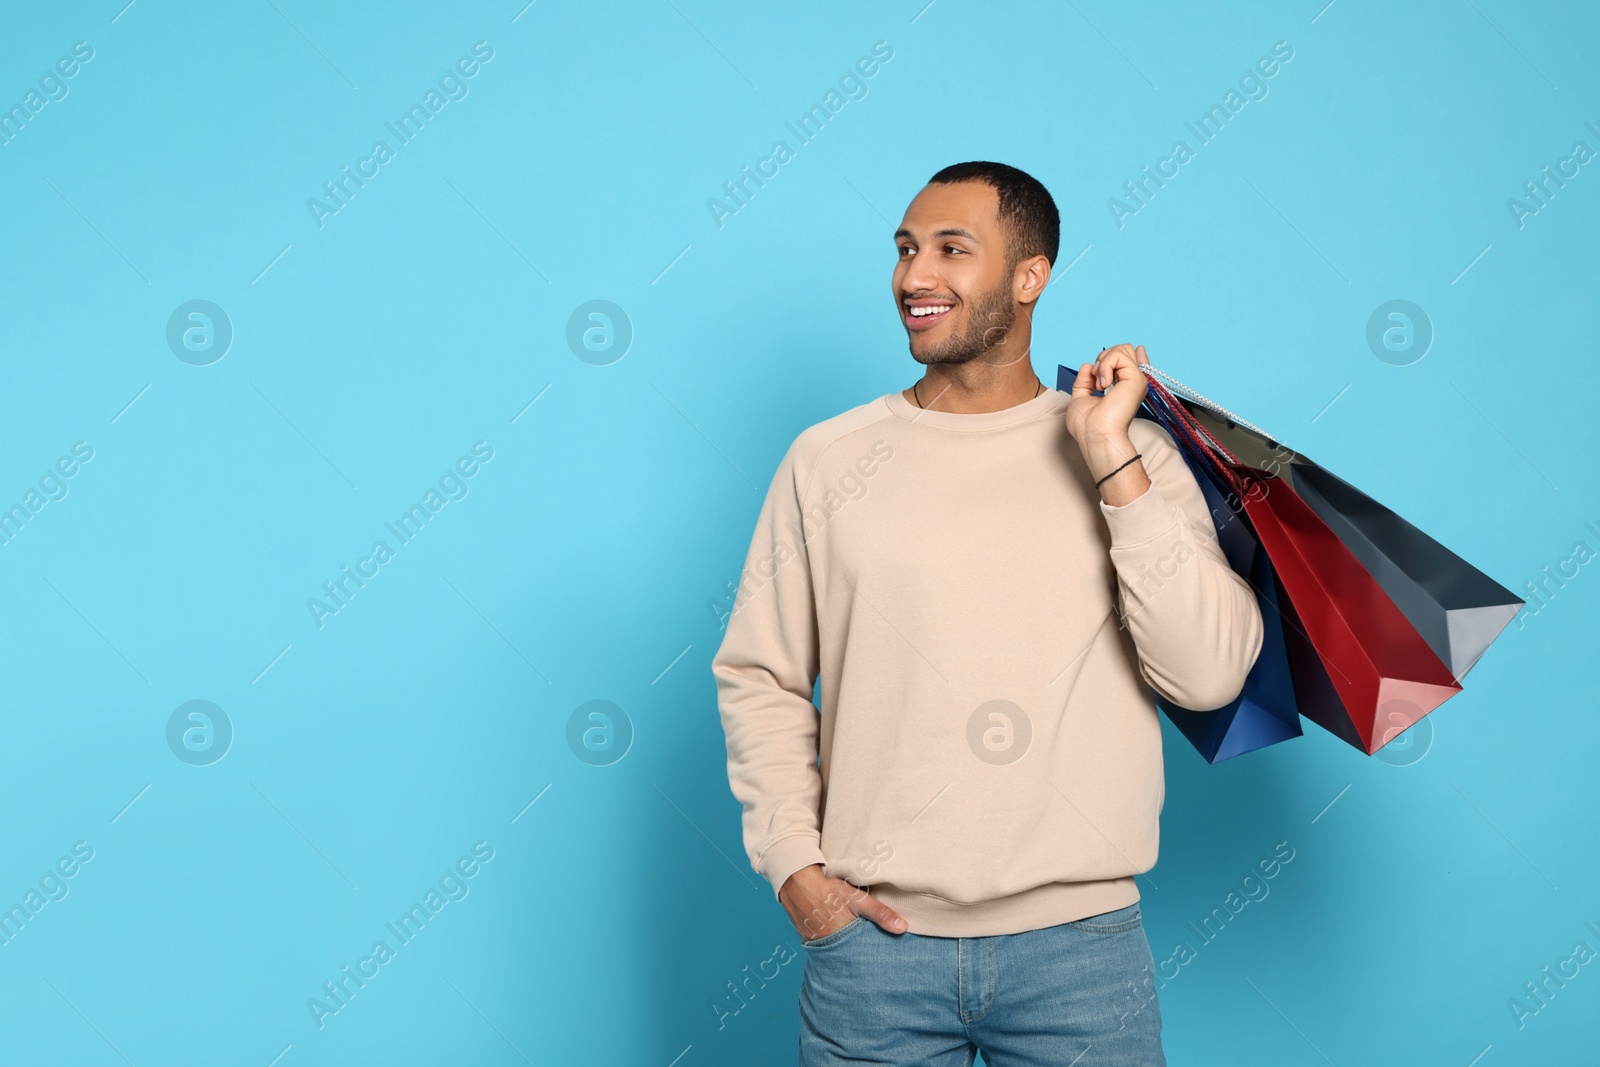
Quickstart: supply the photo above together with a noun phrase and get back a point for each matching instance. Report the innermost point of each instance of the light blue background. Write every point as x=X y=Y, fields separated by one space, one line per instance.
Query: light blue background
x=589 y=558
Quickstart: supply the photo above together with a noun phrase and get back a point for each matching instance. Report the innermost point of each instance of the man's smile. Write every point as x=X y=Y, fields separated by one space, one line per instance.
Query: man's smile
x=923 y=314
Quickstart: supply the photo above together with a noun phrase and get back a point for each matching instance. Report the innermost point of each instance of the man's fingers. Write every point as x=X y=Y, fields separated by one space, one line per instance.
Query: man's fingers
x=1104 y=366
x=1083 y=384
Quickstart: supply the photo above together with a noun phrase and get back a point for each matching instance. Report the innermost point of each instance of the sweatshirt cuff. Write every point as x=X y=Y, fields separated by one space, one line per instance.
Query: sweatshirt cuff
x=1141 y=519
x=790 y=855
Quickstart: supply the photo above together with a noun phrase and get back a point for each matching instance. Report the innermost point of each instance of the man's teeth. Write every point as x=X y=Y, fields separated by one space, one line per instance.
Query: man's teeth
x=918 y=313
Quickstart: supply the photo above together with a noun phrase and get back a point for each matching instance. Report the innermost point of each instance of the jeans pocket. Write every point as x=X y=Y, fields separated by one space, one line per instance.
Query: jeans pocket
x=1111 y=922
x=833 y=937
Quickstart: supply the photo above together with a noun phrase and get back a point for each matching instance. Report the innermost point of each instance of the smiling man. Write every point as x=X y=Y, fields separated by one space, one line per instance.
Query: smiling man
x=956 y=835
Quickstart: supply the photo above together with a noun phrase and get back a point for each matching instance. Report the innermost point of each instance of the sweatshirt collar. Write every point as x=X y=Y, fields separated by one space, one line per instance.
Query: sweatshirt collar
x=1048 y=402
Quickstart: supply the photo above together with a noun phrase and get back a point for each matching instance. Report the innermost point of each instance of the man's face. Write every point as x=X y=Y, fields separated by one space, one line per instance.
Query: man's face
x=952 y=265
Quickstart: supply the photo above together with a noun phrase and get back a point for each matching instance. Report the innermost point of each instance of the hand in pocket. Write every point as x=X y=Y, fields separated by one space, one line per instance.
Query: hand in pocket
x=819 y=905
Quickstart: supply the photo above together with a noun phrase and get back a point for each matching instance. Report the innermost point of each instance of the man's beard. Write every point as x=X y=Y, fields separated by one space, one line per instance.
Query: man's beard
x=988 y=324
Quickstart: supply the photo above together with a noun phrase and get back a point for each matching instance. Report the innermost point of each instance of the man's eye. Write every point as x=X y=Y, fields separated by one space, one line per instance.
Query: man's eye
x=953 y=248
x=904 y=249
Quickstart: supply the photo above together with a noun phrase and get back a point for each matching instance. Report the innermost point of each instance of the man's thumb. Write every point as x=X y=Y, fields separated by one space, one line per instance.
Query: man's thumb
x=884 y=916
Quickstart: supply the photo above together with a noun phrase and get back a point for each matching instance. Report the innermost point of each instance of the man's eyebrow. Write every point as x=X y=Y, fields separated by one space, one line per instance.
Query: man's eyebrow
x=949 y=231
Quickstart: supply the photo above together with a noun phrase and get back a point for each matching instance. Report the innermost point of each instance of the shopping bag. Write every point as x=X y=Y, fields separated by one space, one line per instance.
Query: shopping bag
x=1264 y=712
x=1457 y=608
x=1357 y=661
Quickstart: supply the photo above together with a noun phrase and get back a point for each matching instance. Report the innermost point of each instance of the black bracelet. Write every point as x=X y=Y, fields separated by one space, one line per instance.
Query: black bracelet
x=1136 y=455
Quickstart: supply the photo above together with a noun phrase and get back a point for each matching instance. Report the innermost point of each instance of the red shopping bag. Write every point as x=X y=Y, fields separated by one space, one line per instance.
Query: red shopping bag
x=1361 y=670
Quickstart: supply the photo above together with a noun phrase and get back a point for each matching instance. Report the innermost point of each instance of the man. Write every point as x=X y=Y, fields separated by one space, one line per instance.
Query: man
x=989 y=577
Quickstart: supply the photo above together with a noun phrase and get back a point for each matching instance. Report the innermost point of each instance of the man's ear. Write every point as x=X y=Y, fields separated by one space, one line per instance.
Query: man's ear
x=1030 y=278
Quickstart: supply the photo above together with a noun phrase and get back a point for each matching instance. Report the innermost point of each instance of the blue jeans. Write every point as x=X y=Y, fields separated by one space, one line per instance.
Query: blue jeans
x=1080 y=993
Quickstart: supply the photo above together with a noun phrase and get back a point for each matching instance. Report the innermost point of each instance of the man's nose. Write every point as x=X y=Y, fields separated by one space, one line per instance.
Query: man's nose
x=921 y=276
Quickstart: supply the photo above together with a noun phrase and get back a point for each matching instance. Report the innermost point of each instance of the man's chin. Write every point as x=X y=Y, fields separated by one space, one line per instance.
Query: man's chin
x=930 y=356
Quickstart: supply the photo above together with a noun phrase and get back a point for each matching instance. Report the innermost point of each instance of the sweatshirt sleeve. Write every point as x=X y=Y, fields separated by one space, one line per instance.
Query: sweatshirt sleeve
x=765 y=670
x=1195 y=622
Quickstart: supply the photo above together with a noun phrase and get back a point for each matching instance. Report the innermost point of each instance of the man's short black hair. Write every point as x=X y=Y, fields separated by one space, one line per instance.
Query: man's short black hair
x=1027 y=211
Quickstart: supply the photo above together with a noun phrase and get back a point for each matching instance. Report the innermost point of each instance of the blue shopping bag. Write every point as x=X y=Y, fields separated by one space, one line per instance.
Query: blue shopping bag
x=1265 y=711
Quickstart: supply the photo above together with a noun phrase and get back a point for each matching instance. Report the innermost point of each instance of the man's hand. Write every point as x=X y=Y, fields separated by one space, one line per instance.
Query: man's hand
x=1116 y=371
x=1100 y=423
x=818 y=905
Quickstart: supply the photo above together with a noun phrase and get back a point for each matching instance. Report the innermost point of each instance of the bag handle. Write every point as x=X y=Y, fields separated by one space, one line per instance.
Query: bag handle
x=1182 y=424
x=1210 y=405
x=1187 y=426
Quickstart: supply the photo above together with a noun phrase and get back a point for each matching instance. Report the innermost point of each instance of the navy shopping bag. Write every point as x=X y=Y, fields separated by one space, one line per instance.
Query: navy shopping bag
x=1265 y=711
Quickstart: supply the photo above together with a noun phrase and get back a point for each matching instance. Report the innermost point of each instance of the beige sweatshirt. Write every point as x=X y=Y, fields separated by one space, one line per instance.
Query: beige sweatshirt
x=989 y=747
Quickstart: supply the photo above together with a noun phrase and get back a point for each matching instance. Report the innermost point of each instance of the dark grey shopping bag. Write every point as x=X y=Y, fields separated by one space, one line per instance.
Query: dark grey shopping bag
x=1456 y=608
